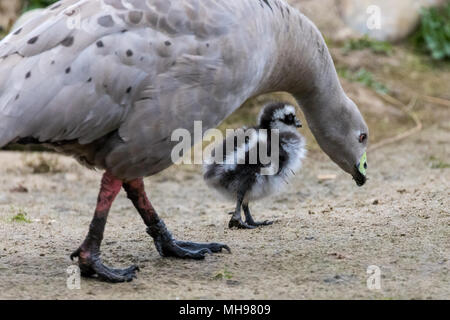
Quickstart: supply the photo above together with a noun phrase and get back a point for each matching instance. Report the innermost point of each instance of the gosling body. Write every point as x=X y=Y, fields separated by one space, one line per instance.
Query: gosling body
x=243 y=175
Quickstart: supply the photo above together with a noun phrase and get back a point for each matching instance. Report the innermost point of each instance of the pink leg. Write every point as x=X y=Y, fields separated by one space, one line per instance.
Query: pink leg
x=89 y=252
x=136 y=193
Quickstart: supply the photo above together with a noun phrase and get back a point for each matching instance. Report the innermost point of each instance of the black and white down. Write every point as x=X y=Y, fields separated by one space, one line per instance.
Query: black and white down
x=231 y=177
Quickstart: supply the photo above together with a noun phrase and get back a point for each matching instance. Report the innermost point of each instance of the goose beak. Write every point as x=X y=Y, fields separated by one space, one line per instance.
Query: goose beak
x=361 y=169
x=360 y=179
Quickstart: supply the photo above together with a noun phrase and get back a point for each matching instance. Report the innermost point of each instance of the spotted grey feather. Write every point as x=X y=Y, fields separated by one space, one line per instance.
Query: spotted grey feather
x=89 y=78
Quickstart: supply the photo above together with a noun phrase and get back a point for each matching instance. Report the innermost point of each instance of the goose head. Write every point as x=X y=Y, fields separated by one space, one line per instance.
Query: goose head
x=343 y=135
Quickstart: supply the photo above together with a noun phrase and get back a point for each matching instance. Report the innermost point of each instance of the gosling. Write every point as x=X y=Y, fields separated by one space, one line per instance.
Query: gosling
x=244 y=181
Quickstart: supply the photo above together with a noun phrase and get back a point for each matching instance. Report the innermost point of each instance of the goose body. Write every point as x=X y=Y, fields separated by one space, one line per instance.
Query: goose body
x=108 y=81
x=245 y=181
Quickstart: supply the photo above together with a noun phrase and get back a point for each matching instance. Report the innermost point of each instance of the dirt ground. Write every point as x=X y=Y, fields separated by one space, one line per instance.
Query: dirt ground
x=325 y=236
x=326 y=233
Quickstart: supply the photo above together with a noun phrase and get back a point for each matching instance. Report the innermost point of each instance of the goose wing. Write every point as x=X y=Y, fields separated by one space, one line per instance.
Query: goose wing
x=84 y=68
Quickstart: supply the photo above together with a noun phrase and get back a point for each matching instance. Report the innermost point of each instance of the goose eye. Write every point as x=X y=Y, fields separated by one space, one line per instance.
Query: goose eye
x=362 y=137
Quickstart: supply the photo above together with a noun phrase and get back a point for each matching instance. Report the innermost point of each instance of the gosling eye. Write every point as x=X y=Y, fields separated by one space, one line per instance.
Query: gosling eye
x=289 y=119
x=362 y=137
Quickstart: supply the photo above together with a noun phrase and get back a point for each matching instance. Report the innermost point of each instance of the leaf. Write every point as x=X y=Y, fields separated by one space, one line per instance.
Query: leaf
x=434 y=32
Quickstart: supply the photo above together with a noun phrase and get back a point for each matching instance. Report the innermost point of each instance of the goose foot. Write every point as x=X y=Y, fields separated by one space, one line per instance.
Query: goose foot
x=169 y=247
x=91 y=265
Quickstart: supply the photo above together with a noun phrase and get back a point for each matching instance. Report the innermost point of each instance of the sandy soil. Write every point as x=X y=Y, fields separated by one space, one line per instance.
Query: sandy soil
x=325 y=236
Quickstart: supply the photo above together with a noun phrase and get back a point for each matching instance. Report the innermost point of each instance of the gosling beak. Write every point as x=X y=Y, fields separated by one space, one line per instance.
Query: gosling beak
x=361 y=169
x=298 y=124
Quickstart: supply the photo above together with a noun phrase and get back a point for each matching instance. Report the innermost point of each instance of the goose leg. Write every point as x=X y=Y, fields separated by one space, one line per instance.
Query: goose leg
x=236 y=219
x=88 y=253
x=249 y=219
x=166 y=245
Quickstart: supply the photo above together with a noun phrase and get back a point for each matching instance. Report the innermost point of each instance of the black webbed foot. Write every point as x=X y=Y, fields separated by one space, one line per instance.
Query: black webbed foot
x=236 y=221
x=169 y=247
x=249 y=219
x=91 y=265
x=213 y=246
x=239 y=224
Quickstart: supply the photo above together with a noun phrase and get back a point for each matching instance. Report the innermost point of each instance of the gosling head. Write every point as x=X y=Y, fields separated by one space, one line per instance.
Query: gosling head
x=279 y=116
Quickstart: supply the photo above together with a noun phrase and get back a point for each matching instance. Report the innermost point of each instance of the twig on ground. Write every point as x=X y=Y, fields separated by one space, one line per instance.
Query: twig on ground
x=436 y=100
x=407 y=110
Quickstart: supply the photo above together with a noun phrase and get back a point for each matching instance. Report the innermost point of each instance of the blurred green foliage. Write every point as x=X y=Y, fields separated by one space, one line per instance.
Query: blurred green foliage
x=27 y=6
x=436 y=163
x=364 y=77
x=433 y=35
x=35 y=4
x=21 y=216
x=377 y=47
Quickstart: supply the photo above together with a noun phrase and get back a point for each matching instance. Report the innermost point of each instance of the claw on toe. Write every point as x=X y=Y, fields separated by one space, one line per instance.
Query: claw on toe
x=177 y=250
x=112 y=275
x=211 y=247
x=223 y=246
x=75 y=254
x=91 y=266
x=167 y=246
x=261 y=224
x=116 y=275
x=190 y=250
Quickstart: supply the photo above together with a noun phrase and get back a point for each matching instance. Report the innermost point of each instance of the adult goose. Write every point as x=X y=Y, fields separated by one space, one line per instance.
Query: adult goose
x=107 y=81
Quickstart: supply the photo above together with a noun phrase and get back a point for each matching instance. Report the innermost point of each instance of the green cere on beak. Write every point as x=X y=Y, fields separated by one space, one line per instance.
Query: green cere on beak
x=362 y=164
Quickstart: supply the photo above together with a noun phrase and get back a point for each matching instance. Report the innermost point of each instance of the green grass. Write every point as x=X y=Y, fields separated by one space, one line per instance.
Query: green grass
x=27 y=6
x=223 y=274
x=364 y=77
x=433 y=35
x=436 y=163
x=36 y=4
x=21 y=217
x=377 y=47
